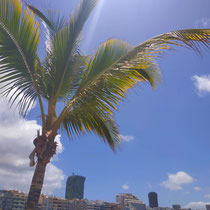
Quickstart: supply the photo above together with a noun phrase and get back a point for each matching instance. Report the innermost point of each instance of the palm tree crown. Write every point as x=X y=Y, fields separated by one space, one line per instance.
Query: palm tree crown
x=91 y=86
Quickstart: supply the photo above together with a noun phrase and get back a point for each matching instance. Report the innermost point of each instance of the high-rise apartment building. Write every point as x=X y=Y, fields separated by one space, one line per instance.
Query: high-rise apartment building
x=208 y=207
x=75 y=187
x=12 y=199
x=153 y=199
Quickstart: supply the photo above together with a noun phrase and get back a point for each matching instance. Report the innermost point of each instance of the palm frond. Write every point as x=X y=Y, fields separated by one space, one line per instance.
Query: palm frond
x=18 y=54
x=87 y=119
x=54 y=20
x=57 y=20
x=193 y=38
x=102 y=86
x=42 y=16
x=111 y=84
x=64 y=56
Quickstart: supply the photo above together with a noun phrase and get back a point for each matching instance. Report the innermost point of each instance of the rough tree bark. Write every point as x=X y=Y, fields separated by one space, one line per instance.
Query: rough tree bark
x=36 y=186
x=44 y=150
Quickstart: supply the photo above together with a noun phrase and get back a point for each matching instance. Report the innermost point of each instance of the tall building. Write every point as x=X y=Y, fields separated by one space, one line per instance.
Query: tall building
x=75 y=187
x=153 y=199
x=207 y=207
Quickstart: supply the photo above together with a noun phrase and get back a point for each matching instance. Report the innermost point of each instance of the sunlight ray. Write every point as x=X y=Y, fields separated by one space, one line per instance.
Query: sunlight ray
x=93 y=24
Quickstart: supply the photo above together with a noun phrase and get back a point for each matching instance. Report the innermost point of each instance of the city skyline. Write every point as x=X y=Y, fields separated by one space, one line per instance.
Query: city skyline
x=165 y=132
x=13 y=199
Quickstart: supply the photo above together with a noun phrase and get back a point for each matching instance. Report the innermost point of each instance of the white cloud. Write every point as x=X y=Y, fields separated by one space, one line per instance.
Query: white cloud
x=204 y=23
x=207 y=196
x=197 y=205
x=202 y=83
x=125 y=187
x=175 y=181
x=16 y=143
x=197 y=188
x=126 y=138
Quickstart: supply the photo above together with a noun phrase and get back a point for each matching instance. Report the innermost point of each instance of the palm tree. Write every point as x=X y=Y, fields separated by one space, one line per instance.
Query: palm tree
x=90 y=87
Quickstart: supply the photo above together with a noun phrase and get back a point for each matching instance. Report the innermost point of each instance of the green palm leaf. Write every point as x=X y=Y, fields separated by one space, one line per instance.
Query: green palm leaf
x=93 y=110
x=87 y=119
x=102 y=88
x=42 y=16
x=63 y=60
x=109 y=84
x=53 y=20
x=19 y=39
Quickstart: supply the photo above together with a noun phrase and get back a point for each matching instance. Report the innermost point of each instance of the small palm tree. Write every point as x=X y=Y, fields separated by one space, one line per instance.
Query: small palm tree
x=90 y=87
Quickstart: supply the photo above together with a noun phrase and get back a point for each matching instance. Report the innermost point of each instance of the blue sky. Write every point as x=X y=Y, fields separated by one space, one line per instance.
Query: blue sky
x=166 y=131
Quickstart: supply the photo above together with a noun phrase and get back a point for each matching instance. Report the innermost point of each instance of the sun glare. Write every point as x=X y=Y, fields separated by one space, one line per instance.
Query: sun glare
x=93 y=24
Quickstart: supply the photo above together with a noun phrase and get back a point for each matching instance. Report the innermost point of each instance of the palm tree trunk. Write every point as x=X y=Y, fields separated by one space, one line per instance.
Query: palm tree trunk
x=36 y=186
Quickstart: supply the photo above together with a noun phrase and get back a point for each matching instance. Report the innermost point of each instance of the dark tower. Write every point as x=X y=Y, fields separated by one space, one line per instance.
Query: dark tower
x=75 y=187
x=153 y=199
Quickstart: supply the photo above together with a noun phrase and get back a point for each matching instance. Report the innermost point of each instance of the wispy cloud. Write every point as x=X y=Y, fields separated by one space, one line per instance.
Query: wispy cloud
x=175 y=181
x=197 y=188
x=202 y=23
x=205 y=22
x=125 y=187
x=126 y=138
x=207 y=196
x=202 y=84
